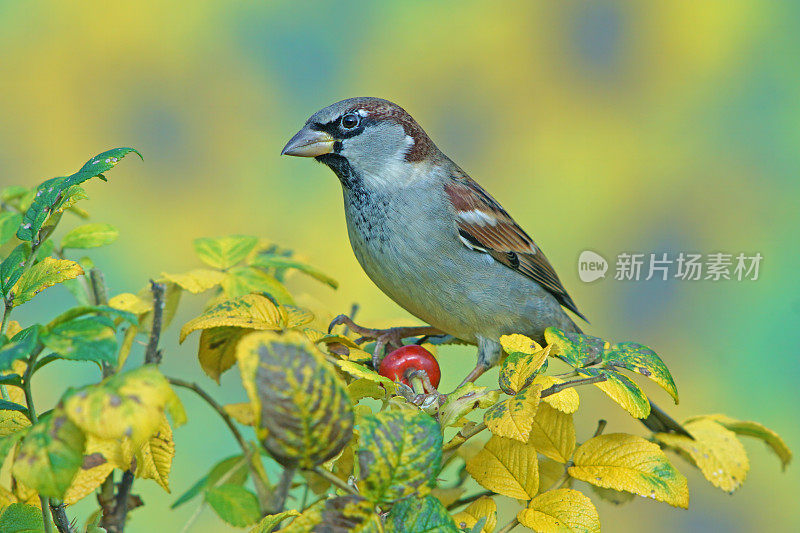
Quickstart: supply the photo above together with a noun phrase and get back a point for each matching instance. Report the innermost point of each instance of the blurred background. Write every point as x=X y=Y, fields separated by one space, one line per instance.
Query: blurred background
x=610 y=126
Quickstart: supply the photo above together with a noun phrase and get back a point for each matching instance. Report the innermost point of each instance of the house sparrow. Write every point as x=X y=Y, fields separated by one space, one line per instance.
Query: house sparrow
x=429 y=236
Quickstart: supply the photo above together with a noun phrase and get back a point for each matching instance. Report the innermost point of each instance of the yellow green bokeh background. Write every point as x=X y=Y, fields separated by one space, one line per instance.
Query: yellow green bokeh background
x=609 y=126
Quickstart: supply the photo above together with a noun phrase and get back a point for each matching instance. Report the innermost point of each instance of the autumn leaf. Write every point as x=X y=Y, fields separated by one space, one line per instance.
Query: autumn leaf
x=758 y=431
x=302 y=412
x=553 y=433
x=90 y=236
x=566 y=401
x=620 y=389
x=268 y=523
x=46 y=273
x=626 y=462
x=525 y=360
x=506 y=466
x=482 y=508
x=575 y=349
x=224 y=252
x=641 y=359
x=513 y=417
x=561 y=511
x=217 y=350
x=421 y=515
x=197 y=280
x=399 y=453
x=715 y=450
x=252 y=311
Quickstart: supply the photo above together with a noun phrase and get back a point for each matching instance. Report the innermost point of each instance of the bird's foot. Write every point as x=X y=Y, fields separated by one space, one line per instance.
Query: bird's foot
x=422 y=392
x=391 y=338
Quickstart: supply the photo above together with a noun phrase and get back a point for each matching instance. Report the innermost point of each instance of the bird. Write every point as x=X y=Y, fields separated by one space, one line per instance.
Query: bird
x=429 y=236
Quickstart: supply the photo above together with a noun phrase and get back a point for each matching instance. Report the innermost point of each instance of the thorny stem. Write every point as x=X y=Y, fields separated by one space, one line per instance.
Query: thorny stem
x=60 y=516
x=259 y=480
x=334 y=480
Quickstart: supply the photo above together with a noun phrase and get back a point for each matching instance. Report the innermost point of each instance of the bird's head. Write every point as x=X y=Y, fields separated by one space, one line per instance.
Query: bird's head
x=362 y=138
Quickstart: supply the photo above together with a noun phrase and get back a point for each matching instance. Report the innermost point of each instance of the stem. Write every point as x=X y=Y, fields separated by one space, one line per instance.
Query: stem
x=259 y=477
x=558 y=387
x=60 y=516
x=469 y=499
x=334 y=480
x=282 y=490
x=508 y=527
x=6 y=316
x=601 y=425
x=26 y=387
x=152 y=354
x=9 y=300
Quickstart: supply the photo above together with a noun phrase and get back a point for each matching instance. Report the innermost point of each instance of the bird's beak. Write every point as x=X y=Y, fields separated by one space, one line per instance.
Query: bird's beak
x=309 y=143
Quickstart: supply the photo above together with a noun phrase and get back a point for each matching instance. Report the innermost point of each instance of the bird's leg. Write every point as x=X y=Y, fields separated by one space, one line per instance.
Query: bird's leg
x=477 y=372
x=384 y=338
x=429 y=395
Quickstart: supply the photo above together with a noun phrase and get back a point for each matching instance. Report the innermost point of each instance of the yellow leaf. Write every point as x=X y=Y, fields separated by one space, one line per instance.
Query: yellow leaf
x=118 y=453
x=365 y=388
x=561 y=511
x=359 y=371
x=13 y=421
x=626 y=462
x=525 y=359
x=508 y=467
x=551 y=472
x=252 y=311
x=553 y=433
x=755 y=430
x=241 y=412
x=715 y=450
x=197 y=280
x=154 y=457
x=566 y=401
x=513 y=417
x=481 y=508
x=620 y=389
x=6 y=498
x=46 y=273
x=129 y=404
x=217 y=350
x=13 y=328
x=172 y=297
x=94 y=470
x=447 y=495
x=131 y=303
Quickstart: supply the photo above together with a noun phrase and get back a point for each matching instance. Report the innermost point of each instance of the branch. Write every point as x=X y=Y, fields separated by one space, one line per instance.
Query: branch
x=282 y=490
x=115 y=522
x=152 y=354
x=508 y=527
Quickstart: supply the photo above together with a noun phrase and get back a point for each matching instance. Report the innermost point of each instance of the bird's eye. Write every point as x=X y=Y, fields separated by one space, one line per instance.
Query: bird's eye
x=350 y=121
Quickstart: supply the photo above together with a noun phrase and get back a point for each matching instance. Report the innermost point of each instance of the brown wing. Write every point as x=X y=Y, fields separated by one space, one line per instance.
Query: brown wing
x=484 y=226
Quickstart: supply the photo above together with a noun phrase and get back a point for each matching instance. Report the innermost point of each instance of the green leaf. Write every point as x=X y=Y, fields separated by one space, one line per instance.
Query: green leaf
x=243 y=280
x=10 y=440
x=420 y=515
x=304 y=416
x=641 y=359
x=399 y=453
x=5 y=405
x=12 y=266
x=90 y=236
x=620 y=389
x=9 y=222
x=14 y=192
x=21 y=518
x=21 y=345
x=42 y=275
x=50 y=193
x=281 y=262
x=91 y=338
x=50 y=455
x=575 y=349
x=224 y=252
x=463 y=401
x=234 y=504
x=239 y=472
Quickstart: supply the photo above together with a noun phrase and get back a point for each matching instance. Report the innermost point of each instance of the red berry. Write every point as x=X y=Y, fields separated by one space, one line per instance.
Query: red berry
x=399 y=363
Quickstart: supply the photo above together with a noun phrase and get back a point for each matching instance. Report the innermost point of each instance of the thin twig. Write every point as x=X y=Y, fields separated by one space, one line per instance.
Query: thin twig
x=259 y=480
x=333 y=480
x=468 y=499
x=152 y=354
x=282 y=490
x=508 y=527
x=115 y=522
x=558 y=387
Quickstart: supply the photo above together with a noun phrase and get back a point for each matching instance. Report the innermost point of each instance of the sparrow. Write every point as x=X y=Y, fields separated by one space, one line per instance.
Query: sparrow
x=429 y=236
